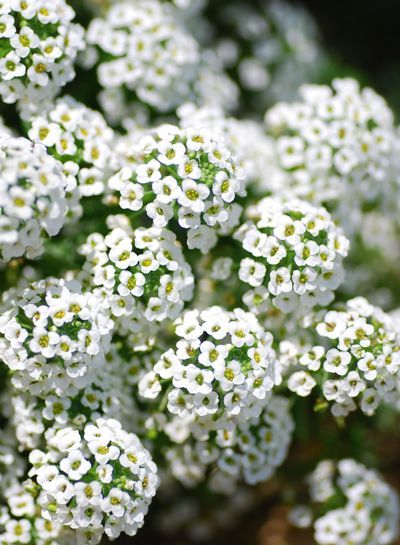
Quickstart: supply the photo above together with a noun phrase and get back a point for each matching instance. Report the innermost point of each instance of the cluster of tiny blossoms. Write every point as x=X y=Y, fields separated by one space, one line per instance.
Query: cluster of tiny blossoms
x=108 y=394
x=21 y=523
x=220 y=371
x=250 y=145
x=52 y=336
x=295 y=255
x=80 y=138
x=337 y=147
x=368 y=512
x=360 y=362
x=96 y=480
x=142 y=274
x=38 y=47
x=143 y=50
x=32 y=197
x=248 y=453
x=184 y=175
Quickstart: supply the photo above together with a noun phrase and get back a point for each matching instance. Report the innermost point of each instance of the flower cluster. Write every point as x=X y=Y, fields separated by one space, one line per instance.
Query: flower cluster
x=108 y=395
x=187 y=175
x=295 y=255
x=145 y=53
x=359 y=363
x=249 y=453
x=250 y=146
x=368 y=512
x=39 y=44
x=143 y=274
x=221 y=371
x=32 y=197
x=337 y=147
x=270 y=49
x=21 y=523
x=52 y=336
x=95 y=481
x=80 y=138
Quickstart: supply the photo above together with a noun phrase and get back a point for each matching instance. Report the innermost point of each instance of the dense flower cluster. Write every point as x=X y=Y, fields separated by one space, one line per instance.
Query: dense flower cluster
x=368 y=511
x=251 y=147
x=179 y=298
x=95 y=481
x=32 y=197
x=108 y=394
x=21 y=523
x=221 y=370
x=52 y=336
x=143 y=274
x=186 y=175
x=80 y=138
x=337 y=146
x=144 y=53
x=249 y=453
x=39 y=44
x=295 y=255
x=359 y=362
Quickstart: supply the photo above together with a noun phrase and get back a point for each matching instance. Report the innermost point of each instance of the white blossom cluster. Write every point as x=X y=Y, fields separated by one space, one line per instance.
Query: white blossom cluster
x=337 y=146
x=106 y=395
x=52 y=336
x=271 y=48
x=78 y=137
x=221 y=370
x=295 y=255
x=21 y=522
x=369 y=511
x=39 y=44
x=249 y=453
x=250 y=145
x=184 y=175
x=96 y=481
x=143 y=274
x=33 y=201
x=357 y=364
x=174 y=304
x=144 y=53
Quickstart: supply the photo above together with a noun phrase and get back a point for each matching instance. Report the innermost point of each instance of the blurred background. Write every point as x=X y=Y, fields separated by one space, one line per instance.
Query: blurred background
x=363 y=35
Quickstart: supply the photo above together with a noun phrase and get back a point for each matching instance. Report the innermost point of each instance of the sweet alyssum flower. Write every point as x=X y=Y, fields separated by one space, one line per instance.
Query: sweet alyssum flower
x=33 y=200
x=186 y=175
x=294 y=255
x=74 y=133
x=142 y=274
x=249 y=453
x=145 y=54
x=338 y=147
x=252 y=148
x=39 y=47
x=367 y=511
x=94 y=480
x=52 y=336
x=20 y=520
x=107 y=395
x=358 y=364
x=221 y=369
